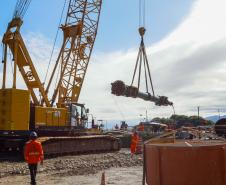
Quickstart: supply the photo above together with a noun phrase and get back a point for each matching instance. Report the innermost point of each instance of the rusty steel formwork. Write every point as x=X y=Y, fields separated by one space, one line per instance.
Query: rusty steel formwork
x=119 y=88
x=220 y=127
x=185 y=162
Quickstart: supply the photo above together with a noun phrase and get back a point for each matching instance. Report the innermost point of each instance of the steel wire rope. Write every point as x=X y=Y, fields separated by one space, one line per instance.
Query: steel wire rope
x=21 y=8
x=16 y=8
x=51 y=55
x=118 y=108
x=11 y=62
x=142 y=13
x=25 y=8
x=3 y=47
x=139 y=13
x=149 y=72
x=57 y=76
x=3 y=59
x=145 y=70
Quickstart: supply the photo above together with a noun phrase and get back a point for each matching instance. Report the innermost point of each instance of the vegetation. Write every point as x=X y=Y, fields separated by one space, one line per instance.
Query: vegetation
x=182 y=120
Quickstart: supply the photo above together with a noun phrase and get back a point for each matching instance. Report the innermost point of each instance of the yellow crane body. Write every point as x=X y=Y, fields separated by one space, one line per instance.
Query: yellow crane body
x=62 y=130
x=48 y=116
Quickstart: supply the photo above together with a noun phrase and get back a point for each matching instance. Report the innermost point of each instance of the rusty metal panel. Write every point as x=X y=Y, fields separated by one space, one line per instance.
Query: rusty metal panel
x=186 y=163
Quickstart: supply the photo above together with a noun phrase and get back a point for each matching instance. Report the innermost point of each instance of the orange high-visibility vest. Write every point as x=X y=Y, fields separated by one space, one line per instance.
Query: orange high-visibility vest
x=33 y=152
x=141 y=127
x=134 y=141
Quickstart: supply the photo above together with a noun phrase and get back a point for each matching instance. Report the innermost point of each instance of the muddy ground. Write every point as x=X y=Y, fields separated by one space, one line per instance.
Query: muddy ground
x=119 y=167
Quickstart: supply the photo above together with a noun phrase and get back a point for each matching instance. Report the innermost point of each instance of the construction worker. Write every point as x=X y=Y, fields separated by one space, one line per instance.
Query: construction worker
x=33 y=154
x=141 y=127
x=134 y=142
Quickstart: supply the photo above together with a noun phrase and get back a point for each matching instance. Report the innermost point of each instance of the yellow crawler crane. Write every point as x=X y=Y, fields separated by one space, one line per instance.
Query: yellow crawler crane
x=62 y=129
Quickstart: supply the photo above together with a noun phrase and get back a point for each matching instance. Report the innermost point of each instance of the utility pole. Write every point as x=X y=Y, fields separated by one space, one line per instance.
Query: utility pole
x=219 y=113
x=198 y=111
x=198 y=115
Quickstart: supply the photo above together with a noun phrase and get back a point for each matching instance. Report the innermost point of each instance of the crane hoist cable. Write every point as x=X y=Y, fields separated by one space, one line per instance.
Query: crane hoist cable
x=21 y=8
x=142 y=12
x=54 y=43
x=142 y=56
x=119 y=108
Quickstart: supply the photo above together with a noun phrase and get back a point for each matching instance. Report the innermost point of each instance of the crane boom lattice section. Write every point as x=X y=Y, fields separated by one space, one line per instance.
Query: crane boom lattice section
x=80 y=31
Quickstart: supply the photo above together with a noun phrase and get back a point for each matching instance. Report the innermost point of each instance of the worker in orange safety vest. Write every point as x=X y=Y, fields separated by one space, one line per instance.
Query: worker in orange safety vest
x=33 y=154
x=141 y=127
x=134 y=142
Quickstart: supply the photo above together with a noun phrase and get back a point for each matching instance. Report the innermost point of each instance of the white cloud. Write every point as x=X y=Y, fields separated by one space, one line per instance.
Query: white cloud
x=188 y=66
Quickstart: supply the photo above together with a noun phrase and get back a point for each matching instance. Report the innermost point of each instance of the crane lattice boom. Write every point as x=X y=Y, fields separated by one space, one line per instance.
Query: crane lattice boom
x=79 y=31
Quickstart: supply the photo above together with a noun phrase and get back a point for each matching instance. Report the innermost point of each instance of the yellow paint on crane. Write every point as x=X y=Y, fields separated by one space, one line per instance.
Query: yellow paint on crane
x=47 y=116
x=14 y=109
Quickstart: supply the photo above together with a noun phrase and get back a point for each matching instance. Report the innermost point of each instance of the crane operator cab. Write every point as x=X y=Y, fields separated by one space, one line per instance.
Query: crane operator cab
x=78 y=115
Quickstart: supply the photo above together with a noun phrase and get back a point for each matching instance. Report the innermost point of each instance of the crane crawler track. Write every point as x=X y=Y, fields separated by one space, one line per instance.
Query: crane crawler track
x=58 y=146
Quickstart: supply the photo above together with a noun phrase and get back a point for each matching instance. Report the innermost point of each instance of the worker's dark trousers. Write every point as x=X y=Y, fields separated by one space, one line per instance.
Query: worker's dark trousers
x=33 y=170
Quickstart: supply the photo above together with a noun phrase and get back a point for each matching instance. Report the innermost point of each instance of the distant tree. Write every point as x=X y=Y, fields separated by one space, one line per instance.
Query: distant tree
x=183 y=120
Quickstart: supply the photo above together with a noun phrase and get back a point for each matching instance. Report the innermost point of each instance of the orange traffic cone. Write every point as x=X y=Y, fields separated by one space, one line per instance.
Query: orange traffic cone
x=103 y=179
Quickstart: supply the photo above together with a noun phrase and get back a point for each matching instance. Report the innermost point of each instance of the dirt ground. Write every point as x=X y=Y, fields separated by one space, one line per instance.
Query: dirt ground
x=113 y=176
x=119 y=168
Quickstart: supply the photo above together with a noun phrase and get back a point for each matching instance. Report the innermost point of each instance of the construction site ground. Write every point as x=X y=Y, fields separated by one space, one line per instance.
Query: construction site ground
x=119 y=168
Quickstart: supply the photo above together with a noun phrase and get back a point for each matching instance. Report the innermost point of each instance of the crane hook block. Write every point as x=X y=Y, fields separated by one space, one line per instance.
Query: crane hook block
x=142 y=31
x=119 y=88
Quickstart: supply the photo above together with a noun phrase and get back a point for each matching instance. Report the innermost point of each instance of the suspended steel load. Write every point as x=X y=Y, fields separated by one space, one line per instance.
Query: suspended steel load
x=119 y=88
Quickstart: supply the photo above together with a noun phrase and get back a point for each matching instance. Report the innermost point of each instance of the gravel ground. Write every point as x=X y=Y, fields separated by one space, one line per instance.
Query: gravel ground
x=79 y=170
x=113 y=176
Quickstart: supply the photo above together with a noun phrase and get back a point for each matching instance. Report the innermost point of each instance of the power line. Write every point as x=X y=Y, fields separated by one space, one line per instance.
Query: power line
x=54 y=43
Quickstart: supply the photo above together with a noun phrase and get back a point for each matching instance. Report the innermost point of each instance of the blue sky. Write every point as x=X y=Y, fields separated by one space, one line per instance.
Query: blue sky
x=185 y=40
x=118 y=24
